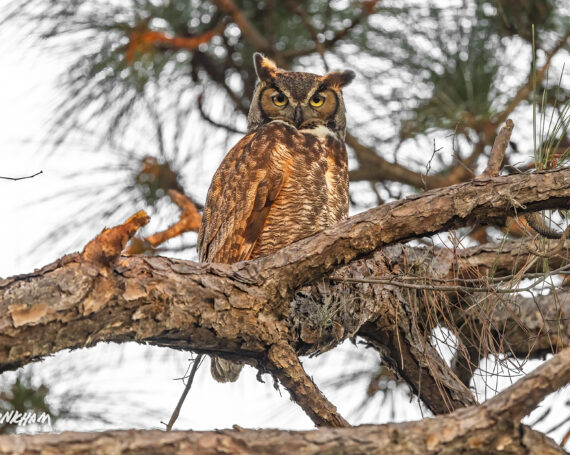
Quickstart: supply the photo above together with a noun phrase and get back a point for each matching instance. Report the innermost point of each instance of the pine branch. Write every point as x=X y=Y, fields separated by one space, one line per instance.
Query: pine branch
x=493 y=427
x=175 y=303
x=285 y=366
x=247 y=28
x=524 y=91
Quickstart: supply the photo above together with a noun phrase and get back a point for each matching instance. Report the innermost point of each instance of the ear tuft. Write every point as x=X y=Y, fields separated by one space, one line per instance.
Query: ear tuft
x=339 y=78
x=265 y=68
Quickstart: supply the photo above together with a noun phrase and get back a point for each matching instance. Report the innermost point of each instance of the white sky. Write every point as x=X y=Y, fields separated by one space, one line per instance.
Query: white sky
x=135 y=373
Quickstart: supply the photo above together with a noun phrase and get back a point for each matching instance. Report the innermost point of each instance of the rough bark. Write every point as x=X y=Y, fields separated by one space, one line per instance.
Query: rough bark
x=498 y=151
x=528 y=326
x=491 y=428
x=286 y=367
x=522 y=327
x=507 y=258
x=241 y=311
x=393 y=439
x=484 y=201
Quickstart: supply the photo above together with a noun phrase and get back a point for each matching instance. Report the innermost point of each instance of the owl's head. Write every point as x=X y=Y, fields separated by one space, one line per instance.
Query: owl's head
x=304 y=100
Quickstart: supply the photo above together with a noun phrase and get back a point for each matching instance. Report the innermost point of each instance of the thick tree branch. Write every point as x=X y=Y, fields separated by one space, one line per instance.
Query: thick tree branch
x=383 y=317
x=523 y=327
x=526 y=326
x=239 y=311
x=410 y=354
x=285 y=366
x=493 y=427
x=394 y=439
x=506 y=258
x=485 y=201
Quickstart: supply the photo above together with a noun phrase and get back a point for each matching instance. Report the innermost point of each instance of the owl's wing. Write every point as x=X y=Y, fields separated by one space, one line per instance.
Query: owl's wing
x=241 y=194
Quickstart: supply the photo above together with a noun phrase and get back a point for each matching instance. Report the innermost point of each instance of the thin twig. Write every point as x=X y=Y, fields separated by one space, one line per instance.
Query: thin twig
x=22 y=178
x=206 y=117
x=428 y=165
x=176 y=412
x=431 y=287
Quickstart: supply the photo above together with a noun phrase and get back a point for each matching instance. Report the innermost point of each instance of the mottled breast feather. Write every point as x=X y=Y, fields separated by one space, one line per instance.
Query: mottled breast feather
x=276 y=186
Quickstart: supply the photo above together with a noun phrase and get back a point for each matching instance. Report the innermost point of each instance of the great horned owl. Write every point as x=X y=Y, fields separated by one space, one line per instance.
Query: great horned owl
x=285 y=180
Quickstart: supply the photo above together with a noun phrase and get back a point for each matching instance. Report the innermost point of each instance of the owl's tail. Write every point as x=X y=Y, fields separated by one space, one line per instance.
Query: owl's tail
x=225 y=370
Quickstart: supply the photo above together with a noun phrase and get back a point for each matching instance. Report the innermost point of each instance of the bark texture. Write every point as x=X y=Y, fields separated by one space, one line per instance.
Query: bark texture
x=484 y=201
x=492 y=428
x=256 y=311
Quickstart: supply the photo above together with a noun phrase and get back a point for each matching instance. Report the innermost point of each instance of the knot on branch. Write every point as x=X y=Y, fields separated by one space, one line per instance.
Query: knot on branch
x=107 y=246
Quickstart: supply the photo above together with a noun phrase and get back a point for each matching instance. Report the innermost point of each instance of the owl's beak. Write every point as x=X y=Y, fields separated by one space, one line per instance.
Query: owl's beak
x=298 y=116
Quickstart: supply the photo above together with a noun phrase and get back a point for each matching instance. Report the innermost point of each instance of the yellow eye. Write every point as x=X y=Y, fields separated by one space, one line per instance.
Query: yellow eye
x=279 y=100
x=317 y=100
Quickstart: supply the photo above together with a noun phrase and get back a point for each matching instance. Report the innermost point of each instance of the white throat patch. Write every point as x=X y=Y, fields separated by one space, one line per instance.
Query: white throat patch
x=320 y=131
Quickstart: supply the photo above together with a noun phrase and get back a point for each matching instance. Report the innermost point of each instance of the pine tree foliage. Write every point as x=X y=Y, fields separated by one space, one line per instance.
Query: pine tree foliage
x=163 y=83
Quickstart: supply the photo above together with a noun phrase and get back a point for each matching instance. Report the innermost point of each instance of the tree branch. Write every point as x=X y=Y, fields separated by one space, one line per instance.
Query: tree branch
x=189 y=221
x=493 y=427
x=285 y=366
x=247 y=28
x=485 y=201
x=498 y=151
x=410 y=354
x=515 y=326
x=240 y=311
x=143 y=40
x=375 y=168
x=211 y=121
x=527 y=326
x=368 y=8
x=524 y=91
x=507 y=258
